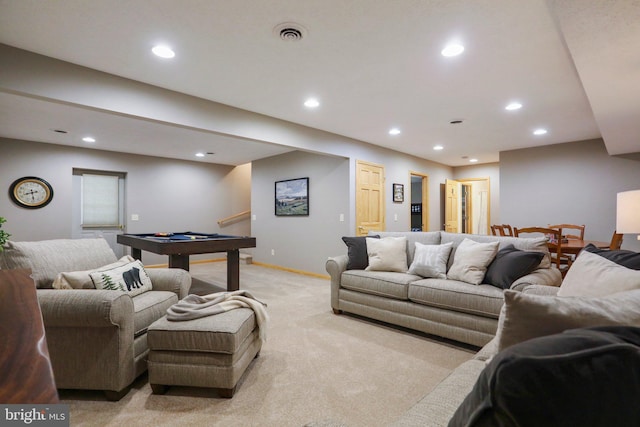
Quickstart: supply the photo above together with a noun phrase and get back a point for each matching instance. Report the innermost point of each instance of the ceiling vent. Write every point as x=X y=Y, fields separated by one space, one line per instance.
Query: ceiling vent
x=290 y=32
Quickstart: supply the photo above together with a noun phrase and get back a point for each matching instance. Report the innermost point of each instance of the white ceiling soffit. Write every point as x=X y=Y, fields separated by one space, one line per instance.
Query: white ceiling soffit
x=122 y=134
x=372 y=65
x=604 y=40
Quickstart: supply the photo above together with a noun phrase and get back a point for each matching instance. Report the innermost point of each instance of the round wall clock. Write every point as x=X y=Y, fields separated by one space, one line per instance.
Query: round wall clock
x=31 y=192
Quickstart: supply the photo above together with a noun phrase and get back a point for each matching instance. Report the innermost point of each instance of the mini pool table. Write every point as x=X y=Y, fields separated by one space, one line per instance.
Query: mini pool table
x=180 y=245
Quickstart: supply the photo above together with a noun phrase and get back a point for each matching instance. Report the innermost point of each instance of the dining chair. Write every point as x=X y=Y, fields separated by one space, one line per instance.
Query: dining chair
x=577 y=233
x=554 y=243
x=501 y=230
x=576 y=230
x=616 y=241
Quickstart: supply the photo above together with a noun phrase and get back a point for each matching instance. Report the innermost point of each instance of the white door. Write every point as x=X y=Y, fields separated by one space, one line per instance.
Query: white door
x=98 y=206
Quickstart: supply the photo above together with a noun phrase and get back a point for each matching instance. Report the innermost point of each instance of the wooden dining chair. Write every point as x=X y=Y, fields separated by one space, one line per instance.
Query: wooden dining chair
x=577 y=231
x=554 y=236
x=501 y=230
x=616 y=241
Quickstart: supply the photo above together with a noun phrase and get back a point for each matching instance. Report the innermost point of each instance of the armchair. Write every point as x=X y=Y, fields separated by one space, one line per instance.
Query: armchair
x=96 y=338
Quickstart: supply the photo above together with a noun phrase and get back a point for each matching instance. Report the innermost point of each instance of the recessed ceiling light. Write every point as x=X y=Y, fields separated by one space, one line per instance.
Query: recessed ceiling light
x=453 y=49
x=199 y=154
x=311 y=103
x=394 y=131
x=513 y=106
x=473 y=160
x=539 y=131
x=89 y=139
x=163 y=51
x=438 y=147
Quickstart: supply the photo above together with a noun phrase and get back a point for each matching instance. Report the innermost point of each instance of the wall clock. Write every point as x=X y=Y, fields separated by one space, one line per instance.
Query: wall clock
x=31 y=192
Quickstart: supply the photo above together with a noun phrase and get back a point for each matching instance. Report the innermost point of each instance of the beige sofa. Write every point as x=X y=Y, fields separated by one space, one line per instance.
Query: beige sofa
x=96 y=338
x=447 y=308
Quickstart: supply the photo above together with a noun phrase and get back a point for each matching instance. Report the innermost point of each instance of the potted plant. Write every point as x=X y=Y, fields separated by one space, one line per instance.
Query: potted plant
x=4 y=236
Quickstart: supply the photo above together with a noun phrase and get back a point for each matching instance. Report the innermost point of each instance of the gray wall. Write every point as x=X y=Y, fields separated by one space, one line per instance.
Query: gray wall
x=168 y=195
x=301 y=242
x=575 y=182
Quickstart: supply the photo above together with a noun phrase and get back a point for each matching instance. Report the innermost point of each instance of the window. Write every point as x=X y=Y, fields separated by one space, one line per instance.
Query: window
x=100 y=200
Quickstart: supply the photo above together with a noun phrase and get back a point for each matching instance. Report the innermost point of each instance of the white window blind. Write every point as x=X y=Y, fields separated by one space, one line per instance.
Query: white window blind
x=100 y=200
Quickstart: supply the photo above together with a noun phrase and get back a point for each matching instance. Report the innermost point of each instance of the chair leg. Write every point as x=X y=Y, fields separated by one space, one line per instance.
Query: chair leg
x=114 y=396
x=159 y=388
x=227 y=393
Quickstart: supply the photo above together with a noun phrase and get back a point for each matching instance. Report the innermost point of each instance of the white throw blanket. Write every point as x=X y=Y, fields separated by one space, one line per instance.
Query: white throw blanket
x=197 y=306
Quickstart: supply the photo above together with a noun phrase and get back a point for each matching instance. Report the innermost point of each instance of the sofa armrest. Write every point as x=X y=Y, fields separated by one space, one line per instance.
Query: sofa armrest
x=541 y=276
x=85 y=307
x=175 y=280
x=335 y=266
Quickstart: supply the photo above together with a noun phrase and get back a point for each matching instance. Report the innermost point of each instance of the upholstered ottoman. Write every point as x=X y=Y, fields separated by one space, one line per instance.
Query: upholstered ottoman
x=212 y=351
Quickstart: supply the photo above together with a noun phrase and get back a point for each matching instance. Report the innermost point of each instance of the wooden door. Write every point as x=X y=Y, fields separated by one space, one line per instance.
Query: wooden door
x=370 y=206
x=453 y=223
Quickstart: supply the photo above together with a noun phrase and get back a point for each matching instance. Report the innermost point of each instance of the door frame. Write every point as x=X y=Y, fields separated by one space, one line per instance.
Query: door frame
x=487 y=179
x=424 y=197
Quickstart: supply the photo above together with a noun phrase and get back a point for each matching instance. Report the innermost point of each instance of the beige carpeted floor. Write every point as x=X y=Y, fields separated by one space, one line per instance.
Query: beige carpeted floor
x=315 y=368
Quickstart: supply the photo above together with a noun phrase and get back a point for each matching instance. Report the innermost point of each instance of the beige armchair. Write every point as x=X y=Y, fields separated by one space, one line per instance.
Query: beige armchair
x=96 y=338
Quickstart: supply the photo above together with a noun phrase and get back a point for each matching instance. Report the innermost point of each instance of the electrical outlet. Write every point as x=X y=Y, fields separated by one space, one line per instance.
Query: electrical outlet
x=135 y=217
x=273 y=251
x=341 y=217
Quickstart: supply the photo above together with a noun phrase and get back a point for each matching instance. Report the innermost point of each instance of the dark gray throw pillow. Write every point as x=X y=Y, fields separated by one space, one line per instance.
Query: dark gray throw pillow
x=509 y=265
x=581 y=377
x=623 y=257
x=357 y=252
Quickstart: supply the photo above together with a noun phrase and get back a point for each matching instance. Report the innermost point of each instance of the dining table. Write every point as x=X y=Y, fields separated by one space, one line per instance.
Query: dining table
x=574 y=246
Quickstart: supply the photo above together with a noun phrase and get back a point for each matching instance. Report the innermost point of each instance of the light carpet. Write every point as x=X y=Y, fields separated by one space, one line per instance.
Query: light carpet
x=316 y=368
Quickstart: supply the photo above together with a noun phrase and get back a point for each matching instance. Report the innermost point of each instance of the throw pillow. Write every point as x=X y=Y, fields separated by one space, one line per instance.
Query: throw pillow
x=131 y=278
x=357 y=252
x=629 y=259
x=583 y=377
x=527 y=316
x=387 y=254
x=509 y=265
x=431 y=260
x=593 y=275
x=471 y=260
x=82 y=279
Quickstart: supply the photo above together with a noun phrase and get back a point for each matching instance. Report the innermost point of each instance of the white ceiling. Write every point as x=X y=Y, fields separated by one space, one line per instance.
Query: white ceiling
x=373 y=65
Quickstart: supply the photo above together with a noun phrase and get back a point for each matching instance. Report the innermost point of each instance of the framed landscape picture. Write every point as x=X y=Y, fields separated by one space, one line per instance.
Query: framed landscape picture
x=292 y=197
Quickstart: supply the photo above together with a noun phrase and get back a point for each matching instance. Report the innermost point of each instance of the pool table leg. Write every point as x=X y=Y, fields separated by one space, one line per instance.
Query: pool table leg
x=233 y=270
x=179 y=261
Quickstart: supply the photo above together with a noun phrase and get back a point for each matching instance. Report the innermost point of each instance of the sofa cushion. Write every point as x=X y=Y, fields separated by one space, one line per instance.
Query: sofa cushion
x=424 y=237
x=82 y=279
x=537 y=244
x=484 y=300
x=357 y=252
x=47 y=258
x=583 y=377
x=387 y=254
x=383 y=283
x=509 y=265
x=527 y=316
x=593 y=275
x=131 y=278
x=629 y=259
x=149 y=307
x=471 y=260
x=430 y=260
